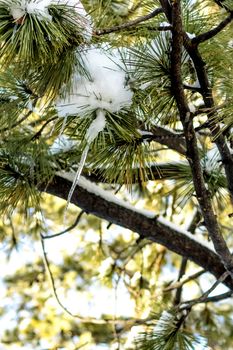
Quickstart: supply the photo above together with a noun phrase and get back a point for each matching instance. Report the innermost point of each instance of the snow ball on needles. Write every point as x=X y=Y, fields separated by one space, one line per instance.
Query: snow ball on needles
x=103 y=87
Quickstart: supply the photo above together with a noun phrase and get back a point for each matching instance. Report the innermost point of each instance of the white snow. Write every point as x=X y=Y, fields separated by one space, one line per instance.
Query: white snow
x=62 y=144
x=96 y=126
x=145 y=133
x=165 y=319
x=110 y=197
x=102 y=89
x=40 y=8
x=185 y=233
x=105 y=88
x=191 y=35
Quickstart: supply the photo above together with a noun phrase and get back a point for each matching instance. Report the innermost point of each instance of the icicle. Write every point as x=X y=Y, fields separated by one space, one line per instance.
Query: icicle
x=93 y=131
x=77 y=175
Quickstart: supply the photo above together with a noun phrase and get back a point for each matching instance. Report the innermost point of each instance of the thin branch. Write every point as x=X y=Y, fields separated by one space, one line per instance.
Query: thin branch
x=219 y=297
x=68 y=229
x=129 y=24
x=39 y=132
x=182 y=282
x=202 y=299
x=211 y=33
x=184 y=263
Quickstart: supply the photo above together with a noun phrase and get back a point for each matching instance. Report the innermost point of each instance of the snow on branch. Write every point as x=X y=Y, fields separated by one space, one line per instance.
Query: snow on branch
x=96 y=201
x=110 y=197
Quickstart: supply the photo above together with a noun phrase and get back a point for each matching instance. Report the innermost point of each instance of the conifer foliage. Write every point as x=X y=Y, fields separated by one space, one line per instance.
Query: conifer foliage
x=133 y=97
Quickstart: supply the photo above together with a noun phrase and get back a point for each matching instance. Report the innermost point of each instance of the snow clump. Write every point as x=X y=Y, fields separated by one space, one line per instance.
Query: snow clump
x=40 y=8
x=104 y=87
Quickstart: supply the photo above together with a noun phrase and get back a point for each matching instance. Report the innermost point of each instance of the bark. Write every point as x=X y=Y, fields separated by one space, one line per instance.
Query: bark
x=149 y=228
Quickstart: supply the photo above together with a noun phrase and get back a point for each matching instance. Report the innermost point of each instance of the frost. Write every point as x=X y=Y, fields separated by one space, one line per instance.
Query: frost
x=191 y=35
x=145 y=133
x=191 y=107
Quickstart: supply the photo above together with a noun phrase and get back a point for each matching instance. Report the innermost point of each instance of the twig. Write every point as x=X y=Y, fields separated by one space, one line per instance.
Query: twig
x=38 y=134
x=180 y=283
x=189 y=303
x=68 y=229
x=129 y=24
x=219 y=297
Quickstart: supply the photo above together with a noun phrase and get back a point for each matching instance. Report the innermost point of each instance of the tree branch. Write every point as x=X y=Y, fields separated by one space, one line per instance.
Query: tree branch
x=159 y=231
x=210 y=34
x=207 y=94
x=202 y=193
x=129 y=24
x=170 y=139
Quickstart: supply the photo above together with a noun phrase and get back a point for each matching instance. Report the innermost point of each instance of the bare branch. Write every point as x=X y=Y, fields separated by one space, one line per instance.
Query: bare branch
x=127 y=25
x=182 y=282
x=67 y=230
x=204 y=298
x=193 y=157
x=211 y=33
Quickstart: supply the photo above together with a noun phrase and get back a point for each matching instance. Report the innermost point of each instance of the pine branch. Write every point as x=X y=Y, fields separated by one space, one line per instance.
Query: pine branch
x=18 y=122
x=202 y=193
x=207 y=94
x=133 y=23
x=146 y=227
x=213 y=32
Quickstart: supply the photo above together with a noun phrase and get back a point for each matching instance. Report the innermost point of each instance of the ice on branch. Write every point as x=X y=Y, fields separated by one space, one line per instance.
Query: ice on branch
x=104 y=88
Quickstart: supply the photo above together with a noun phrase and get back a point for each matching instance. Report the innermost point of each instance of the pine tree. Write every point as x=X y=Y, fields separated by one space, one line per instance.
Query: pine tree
x=102 y=101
